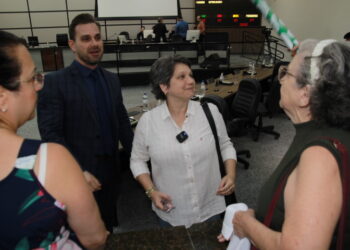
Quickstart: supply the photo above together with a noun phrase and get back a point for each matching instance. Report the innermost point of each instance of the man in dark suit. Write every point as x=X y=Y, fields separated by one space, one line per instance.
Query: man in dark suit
x=81 y=107
x=160 y=30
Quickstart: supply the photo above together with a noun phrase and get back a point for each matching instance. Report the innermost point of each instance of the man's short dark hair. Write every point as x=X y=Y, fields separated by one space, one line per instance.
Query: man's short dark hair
x=83 y=18
x=347 y=36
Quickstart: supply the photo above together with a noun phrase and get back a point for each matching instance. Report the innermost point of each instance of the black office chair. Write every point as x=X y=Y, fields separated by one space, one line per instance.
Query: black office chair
x=176 y=39
x=33 y=41
x=244 y=108
x=149 y=38
x=270 y=103
x=224 y=110
x=268 y=107
x=126 y=34
x=275 y=71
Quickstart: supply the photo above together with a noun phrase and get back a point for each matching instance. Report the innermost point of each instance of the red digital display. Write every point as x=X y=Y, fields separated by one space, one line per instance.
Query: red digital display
x=229 y=13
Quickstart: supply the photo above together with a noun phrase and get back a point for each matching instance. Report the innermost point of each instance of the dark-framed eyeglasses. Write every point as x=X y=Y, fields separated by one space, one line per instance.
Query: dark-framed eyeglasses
x=282 y=72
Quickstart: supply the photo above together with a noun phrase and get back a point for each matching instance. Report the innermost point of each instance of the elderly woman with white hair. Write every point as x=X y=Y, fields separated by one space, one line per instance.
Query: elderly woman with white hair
x=304 y=204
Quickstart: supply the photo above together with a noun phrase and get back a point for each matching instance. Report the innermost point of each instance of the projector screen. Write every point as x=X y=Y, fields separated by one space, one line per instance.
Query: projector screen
x=136 y=9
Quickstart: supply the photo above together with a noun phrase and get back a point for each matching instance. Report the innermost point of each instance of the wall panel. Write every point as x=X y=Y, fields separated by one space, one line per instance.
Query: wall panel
x=81 y=4
x=48 y=34
x=14 y=20
x=49 y=19
x=24 y=33
x=13 y=5
x=36 y=5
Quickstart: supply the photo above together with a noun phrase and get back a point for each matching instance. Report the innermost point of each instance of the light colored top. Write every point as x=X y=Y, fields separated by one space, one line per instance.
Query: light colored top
x=189 y=171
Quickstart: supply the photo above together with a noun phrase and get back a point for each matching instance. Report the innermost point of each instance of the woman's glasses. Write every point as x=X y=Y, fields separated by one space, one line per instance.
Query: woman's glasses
x=37 y=80
x=282 y=72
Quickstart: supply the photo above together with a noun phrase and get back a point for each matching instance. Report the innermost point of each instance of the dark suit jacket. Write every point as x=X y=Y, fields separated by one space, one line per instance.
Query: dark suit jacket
x=66 y=116
x=160 y=30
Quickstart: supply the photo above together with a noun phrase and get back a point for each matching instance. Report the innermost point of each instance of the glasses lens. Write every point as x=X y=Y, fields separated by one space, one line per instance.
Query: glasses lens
x=39 y=78
x=282 y=72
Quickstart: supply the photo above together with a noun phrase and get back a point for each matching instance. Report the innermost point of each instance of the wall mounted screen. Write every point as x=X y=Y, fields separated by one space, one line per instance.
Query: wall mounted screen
x=136 y=9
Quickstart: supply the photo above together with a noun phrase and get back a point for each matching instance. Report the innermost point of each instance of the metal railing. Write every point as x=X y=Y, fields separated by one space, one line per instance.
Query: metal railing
x=270 y=46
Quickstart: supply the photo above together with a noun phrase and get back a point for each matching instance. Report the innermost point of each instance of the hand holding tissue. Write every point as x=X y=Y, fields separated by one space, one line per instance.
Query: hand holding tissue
x=228 y=232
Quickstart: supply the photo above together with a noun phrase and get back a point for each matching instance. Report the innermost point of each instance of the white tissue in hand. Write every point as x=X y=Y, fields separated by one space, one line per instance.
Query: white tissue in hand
x=238 y=244
x=227 y=226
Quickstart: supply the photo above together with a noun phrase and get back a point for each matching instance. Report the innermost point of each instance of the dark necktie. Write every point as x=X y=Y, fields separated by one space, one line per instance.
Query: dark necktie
x=102 y=110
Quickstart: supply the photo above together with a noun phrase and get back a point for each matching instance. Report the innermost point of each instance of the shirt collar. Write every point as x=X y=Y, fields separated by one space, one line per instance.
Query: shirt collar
x=166 y=114
x=85 y=71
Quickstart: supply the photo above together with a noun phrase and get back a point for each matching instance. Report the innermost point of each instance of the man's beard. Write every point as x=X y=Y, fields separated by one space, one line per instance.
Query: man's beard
x=88 y=60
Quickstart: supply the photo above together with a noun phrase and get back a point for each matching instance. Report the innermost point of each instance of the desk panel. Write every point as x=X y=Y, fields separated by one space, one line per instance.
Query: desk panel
x=199 y=236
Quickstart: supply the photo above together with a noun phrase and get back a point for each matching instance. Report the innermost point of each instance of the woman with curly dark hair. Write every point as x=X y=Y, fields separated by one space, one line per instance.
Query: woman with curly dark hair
x=304 y=204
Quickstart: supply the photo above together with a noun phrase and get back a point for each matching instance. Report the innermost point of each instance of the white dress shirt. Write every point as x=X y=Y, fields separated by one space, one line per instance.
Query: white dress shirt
x=189 y=171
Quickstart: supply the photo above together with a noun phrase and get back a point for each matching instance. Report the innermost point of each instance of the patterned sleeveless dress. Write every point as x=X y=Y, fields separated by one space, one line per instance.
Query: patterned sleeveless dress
x=30 y=218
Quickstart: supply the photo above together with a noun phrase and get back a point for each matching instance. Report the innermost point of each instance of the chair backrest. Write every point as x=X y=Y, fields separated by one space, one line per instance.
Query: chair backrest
x=149 y=38
x=246 y=100
x=273 y=97
x=220 y=104
x=126 y=34
x=276 y=68
x=177 y=39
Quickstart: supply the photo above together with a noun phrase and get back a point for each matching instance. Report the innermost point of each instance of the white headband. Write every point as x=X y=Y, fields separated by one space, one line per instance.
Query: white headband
x=318 y=50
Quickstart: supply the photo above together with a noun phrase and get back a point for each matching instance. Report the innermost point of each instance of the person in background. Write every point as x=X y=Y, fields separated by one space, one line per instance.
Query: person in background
x=160 y=30
x=186 y=186
x=311 y=177
x=347 y=37
x=82 y=108
x=201 y=27
x=171 y=33
x=140 y=35
x=39 y=209
x=181 y=28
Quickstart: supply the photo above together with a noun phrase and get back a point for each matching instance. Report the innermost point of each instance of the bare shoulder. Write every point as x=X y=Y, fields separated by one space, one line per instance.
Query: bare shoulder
x=317 y=170
x=58 y=153
x=61 y=163
x=63 y=173
x=313 y=198
x=318 y=158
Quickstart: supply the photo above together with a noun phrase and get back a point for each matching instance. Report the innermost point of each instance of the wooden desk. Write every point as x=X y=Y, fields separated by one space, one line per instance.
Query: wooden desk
x=199 y=236
x=226 y=91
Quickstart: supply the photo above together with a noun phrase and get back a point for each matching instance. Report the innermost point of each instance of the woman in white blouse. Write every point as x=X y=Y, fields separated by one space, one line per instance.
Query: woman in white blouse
x=185 y=186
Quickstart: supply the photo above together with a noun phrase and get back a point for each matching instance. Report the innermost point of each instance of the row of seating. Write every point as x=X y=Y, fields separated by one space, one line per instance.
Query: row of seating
x=248 y=106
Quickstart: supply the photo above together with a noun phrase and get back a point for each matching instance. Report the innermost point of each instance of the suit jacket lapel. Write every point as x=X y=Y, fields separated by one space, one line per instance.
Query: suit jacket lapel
x=77 y=79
